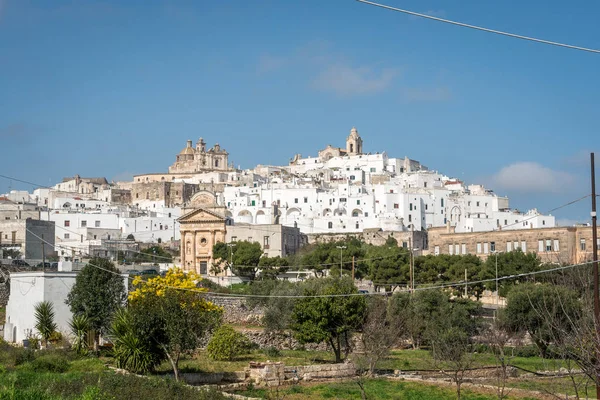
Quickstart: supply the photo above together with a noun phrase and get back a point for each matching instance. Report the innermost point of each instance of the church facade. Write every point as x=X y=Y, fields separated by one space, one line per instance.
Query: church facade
x=199 y=159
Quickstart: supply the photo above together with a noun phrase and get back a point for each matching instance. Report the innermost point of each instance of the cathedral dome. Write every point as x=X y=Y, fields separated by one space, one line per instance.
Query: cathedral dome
x=188 y=149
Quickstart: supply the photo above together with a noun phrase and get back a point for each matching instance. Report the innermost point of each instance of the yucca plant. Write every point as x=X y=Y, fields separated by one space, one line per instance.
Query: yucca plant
x=44 y=320
x=80 y=326
x=131 y=352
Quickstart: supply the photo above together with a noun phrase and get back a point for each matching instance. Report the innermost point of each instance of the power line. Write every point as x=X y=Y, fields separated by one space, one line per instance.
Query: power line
x=480 y=28
x=442 y=286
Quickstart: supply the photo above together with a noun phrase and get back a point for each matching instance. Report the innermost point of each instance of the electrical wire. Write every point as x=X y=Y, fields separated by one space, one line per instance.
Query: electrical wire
x=443 y=286
x=480 y=28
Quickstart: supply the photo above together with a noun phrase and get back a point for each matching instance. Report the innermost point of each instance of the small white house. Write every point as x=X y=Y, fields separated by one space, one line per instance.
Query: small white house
x=29 y=288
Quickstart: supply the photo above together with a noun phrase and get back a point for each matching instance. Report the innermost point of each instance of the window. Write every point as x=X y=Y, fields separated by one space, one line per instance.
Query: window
x=137 y=195
x=83 y=224
x=372 y=169
x=296 y=200
x=556 y=245
x=582 y=244
x=508 y=246
x=477 y=204
x=436 y=250
x=330 y=225
x=492 y=247
x=524 y=246
x=95 y=237
x=543 y=222
x=548 y=245
x=442 y=203
x=67 y=236
x=505 y=222
x=234 y=238
x=410 y=206
x=366 y=214
x=464 y=248
x=357 y=225
x=203 y=267
x=250 y=239
x=266 y=242
x=456 y=249
x=67 y=223
x=306 y=199
x=358 y=202
x=97 y=224
x=424 y=184
x=409 y=217
x=450 y=249
x=540 y=245
x=396 y=205
x=515 y=245
x=342 y=199
x=485 y=248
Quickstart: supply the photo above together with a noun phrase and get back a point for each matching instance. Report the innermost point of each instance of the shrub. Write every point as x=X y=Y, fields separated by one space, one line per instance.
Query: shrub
x=272 y=352
x=227 y=344
x=49 y=363
x=527 y=351
x=24 y=356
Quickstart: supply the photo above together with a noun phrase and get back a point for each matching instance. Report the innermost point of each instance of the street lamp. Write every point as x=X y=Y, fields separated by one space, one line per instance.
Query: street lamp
x=497 y=292
x=341 y=254
x=230 y=245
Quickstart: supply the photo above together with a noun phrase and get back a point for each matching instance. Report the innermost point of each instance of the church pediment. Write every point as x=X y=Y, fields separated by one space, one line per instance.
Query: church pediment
x=201 y=215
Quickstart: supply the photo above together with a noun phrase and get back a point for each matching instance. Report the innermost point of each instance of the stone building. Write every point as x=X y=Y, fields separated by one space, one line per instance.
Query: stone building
x=205 y=223
x=568 y=245
x=16 y=210
x=170 y=194
x=198 y=159
x=33 y=238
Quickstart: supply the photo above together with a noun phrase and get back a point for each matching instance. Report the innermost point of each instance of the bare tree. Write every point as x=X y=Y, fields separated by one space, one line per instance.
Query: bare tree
x=497 y=337
x=380 y=332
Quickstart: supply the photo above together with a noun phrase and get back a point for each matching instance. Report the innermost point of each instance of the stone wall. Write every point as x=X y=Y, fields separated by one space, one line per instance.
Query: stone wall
x=280 y=340
x=237 y=312
x=4 y=293
x=276 y=373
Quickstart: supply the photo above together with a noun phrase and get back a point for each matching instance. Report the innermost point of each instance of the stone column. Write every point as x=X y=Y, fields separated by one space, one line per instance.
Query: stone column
x=194 y=251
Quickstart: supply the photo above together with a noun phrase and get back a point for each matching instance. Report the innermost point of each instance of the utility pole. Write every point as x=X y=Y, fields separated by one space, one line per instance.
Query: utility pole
x=410 y=265
x=466 y=284
x=43 y=254
x=341 y=257
x=595 y=267
x=352 y=267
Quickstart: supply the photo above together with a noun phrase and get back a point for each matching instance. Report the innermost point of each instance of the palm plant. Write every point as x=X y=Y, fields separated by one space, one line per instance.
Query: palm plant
x=80 y=326
x=130 y=351
x=44 y=320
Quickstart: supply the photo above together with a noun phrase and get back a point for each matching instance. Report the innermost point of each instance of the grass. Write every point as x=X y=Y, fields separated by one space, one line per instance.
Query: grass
x=374 y=389
x=408 y=360
x=83 y=379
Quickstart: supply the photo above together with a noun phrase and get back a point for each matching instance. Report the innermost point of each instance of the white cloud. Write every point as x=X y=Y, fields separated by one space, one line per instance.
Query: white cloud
x=344 y=80
x=269 y=63
x=531 y=177
x=433 y=94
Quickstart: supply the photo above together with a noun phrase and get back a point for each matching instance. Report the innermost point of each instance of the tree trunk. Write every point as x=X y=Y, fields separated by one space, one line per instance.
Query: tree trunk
x=174 y=363
x=336 y=350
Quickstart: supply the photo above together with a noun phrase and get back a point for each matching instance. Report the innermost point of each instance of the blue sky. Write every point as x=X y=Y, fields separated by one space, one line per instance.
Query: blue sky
x=100 y=88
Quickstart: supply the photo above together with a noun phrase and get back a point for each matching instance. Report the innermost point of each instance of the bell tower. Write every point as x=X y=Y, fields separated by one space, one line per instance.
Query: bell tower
x=354 y=143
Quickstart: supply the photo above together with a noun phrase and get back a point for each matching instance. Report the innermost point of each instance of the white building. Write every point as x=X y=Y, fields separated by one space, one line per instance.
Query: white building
x=347 y=191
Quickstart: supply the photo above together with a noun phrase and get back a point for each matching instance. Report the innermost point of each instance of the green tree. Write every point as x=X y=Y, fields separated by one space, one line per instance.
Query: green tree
x=388 y=265
x=270 y=267
x=226 y=344
x=542 y=310
x=169 y=322
x=511 y=263
x=97 y=293
x=328 y=319
x=44 y=320
x=244 y=256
